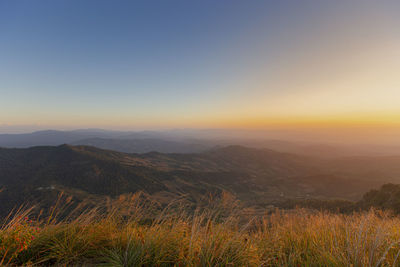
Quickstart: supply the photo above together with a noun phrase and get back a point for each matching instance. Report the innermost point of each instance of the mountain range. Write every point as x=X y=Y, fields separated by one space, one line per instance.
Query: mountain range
x=257 y=177
x=187 y=141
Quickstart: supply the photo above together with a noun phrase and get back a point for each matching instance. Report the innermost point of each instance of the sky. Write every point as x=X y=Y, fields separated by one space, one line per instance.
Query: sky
x=200 y=64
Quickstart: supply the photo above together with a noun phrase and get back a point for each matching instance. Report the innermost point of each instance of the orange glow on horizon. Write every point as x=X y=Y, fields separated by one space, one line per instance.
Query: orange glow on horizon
x=251 y=122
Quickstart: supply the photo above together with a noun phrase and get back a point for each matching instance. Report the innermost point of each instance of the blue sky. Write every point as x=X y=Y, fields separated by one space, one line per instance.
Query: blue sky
x=149 y=64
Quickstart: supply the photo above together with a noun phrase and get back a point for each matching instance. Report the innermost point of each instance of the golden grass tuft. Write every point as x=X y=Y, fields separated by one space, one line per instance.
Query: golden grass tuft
x=132 y=231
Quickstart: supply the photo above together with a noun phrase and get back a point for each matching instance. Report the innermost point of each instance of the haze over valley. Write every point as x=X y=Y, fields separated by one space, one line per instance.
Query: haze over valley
x=172 y=165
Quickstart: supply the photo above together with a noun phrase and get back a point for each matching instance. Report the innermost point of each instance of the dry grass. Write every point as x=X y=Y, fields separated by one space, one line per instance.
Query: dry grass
x=123 y=234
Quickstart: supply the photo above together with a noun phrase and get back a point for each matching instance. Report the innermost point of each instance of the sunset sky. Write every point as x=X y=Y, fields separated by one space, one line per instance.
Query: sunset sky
x=200 y=64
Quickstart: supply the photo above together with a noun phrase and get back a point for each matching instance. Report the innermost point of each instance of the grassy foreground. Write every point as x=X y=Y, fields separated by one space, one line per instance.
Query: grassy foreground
x=125 y=235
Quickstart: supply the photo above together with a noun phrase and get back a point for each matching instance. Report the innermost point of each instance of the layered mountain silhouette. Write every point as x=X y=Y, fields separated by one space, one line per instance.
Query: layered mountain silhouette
x=185 y=141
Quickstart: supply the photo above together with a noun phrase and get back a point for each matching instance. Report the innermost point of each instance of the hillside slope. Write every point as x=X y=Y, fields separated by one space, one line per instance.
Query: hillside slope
x=255 y=176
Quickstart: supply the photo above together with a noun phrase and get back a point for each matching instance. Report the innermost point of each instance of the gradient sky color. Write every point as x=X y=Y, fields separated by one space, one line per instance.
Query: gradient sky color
x=166 y=64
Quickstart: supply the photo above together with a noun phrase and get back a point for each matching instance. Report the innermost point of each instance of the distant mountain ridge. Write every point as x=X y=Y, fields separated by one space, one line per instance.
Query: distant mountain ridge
x=142 y=145
x=48 y=137
x=183 y=141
